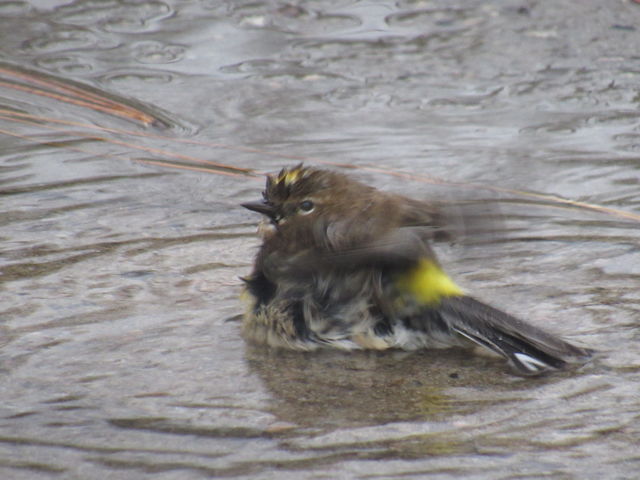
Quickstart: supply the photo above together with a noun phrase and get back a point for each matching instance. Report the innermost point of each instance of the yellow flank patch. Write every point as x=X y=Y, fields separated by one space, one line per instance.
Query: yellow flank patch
x=427 y=283
x=248 y=300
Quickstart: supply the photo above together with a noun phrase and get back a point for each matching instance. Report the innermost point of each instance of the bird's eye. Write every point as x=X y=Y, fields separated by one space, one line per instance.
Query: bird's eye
x=306 y=206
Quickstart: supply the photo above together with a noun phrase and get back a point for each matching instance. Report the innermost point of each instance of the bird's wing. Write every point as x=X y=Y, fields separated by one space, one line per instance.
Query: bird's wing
x=400 y=248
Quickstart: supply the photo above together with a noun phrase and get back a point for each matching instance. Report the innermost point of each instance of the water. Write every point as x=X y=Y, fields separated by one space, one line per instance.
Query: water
x=120 y=352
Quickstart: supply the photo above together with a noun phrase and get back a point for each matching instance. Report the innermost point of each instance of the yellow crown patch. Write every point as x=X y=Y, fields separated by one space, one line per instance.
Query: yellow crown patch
x=291 y=176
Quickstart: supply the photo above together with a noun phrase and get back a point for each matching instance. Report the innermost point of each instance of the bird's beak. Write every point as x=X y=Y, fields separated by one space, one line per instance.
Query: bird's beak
x=261 y=207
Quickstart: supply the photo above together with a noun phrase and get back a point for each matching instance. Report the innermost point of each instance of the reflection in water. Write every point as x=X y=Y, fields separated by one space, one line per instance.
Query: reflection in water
x=342 y=389
x=357 y=388
x=367 y=402
x=402 y=405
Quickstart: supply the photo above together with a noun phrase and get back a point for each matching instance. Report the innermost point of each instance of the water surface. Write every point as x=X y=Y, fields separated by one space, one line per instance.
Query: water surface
x=120 y=351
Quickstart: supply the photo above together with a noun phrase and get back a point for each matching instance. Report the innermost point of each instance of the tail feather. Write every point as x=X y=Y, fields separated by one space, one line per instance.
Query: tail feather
x=530 y=350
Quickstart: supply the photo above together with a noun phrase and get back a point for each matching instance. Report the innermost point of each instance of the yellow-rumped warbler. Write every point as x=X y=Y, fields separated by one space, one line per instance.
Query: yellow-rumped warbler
x=345 y=265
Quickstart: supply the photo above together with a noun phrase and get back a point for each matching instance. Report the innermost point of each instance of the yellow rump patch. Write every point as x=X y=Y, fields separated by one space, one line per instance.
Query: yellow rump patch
x=428 y=283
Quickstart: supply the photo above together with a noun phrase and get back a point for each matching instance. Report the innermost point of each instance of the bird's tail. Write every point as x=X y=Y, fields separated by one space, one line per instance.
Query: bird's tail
x=530 y=350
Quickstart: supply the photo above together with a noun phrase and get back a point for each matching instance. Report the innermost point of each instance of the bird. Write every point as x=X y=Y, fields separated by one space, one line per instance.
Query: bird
x=345 y=265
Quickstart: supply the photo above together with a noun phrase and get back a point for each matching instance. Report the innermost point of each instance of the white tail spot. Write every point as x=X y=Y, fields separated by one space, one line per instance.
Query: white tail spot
x=530 y=362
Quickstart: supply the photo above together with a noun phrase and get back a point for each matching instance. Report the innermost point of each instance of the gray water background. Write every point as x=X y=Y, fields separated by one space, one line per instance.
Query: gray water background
x=120 y=353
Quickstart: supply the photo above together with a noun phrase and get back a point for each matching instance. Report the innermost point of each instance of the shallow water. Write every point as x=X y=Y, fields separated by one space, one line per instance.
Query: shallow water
x=120 y=351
